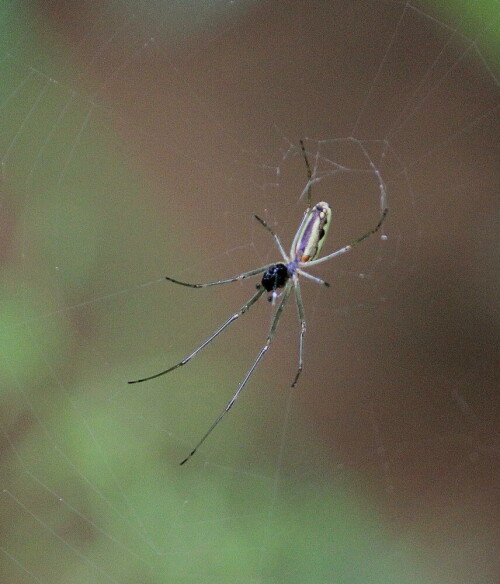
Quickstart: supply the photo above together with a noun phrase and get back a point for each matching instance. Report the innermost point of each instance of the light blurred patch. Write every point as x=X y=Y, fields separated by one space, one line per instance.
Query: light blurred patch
x=27 y=338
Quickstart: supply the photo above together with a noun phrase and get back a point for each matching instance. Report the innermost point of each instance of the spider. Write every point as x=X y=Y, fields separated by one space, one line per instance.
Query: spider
x=304 y=251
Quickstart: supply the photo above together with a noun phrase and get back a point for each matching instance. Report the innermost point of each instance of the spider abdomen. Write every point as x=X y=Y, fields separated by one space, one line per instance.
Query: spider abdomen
x=311 y=237
x=275 y=277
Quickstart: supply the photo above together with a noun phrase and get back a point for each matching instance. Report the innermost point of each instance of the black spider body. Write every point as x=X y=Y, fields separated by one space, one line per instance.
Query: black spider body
x=275 y=277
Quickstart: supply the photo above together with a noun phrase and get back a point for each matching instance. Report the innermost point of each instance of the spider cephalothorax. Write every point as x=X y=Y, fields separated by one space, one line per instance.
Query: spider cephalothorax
x=274 y=278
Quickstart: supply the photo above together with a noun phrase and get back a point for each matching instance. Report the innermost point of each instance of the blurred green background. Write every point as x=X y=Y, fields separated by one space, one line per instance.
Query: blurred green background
x=137 y=141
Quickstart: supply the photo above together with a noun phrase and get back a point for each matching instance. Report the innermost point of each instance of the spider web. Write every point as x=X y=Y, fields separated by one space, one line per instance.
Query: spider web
x=138 y=140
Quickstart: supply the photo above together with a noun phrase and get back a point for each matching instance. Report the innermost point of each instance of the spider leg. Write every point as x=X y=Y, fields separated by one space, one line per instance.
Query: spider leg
x=249 y=373
x=351 y=245
x=302 y=320
x=309 y=174
x=227 y=281
x=231 y=319
x=276 y=238
x=309 y=195
x=313 y=278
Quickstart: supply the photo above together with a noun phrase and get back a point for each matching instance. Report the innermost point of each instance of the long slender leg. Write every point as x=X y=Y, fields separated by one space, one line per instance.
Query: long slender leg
x=309 y=195
x=313 y=278
x=302 y=320
x=227 y=281
x=276 y=238
x=248 y=374
x=309 y=174
x=351 y=245
x=231 y=319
